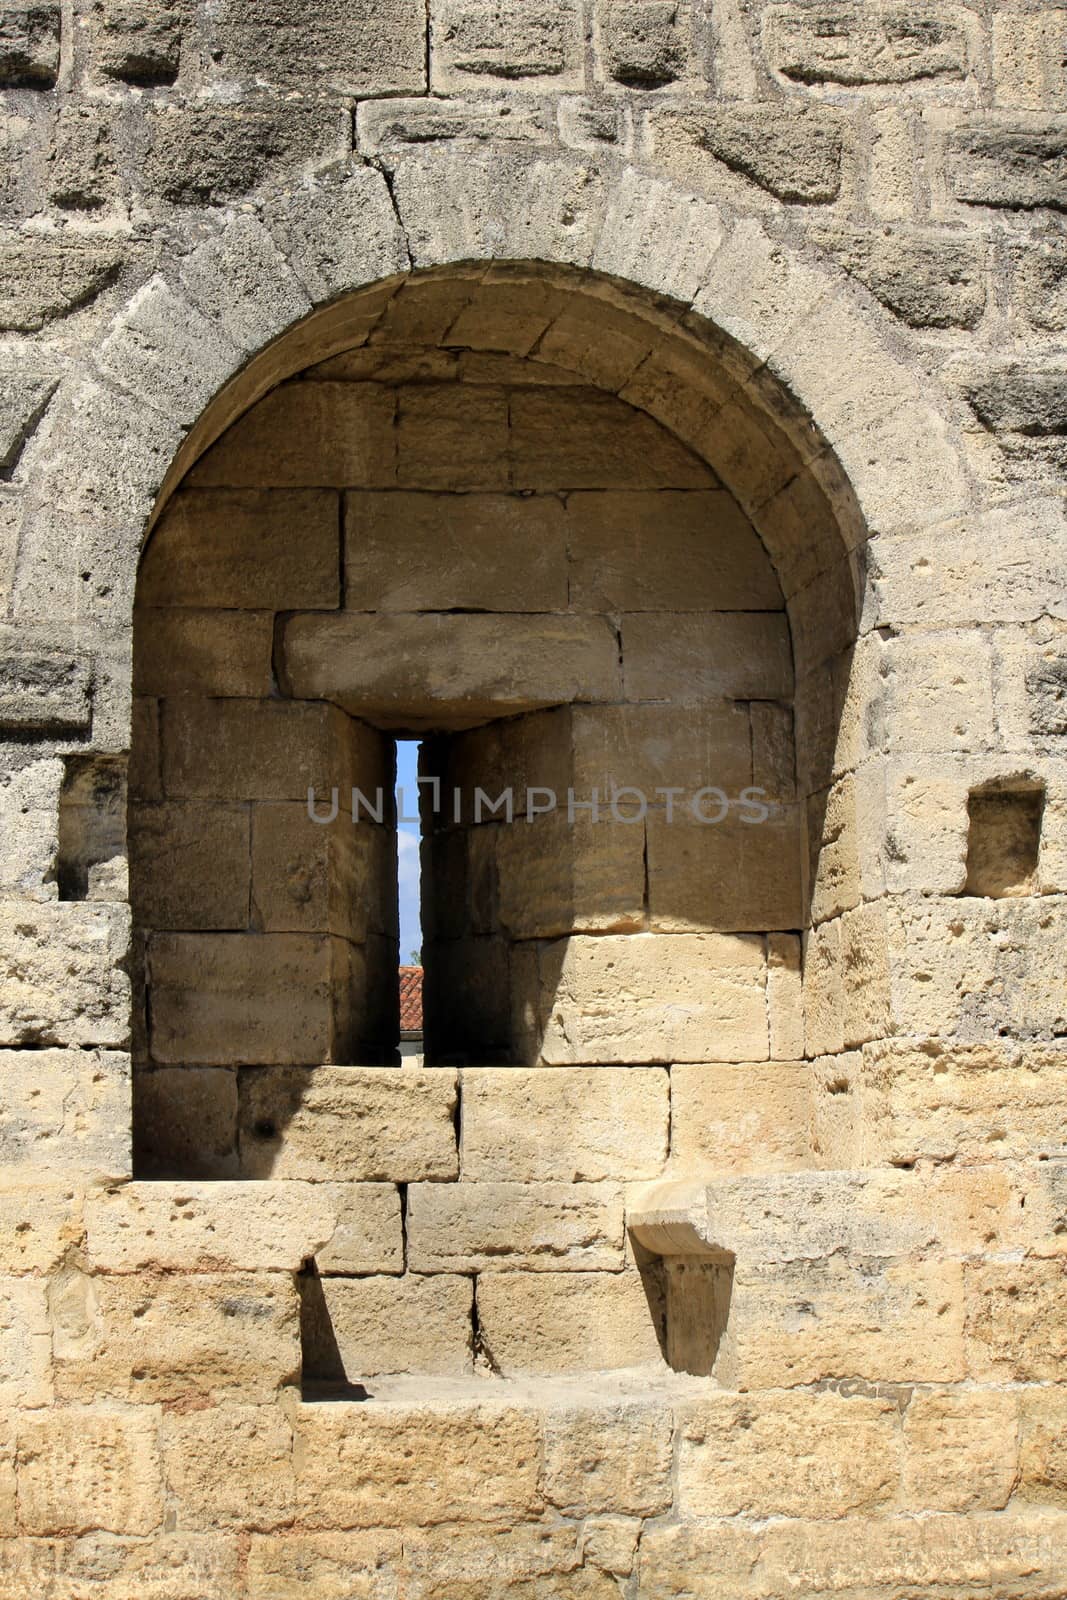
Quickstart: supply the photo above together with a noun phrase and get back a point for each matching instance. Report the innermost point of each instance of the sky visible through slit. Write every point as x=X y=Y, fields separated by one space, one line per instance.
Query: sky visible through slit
x=407 y=805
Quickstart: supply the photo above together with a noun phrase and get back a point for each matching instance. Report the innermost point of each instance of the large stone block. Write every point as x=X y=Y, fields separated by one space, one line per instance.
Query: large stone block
x=609 y=1458
x=1015 y=1324
x=25 y=1359
x=736 y=876
x=189 y=866
x=229 y=1466
x=267 y=750
x=451 y=437
x=185 y=1122
x=869 y=44
x=379 y=1325
x=224 y=653
x=931 y=281
x=431 y=552
x=308 y=435
x=946 y=1101
x=349 y=1124
x=44 y=692
x=65 y=1112
x=1042 y=1442
x=137 y=41
x=209 y=1227
x=337 y=878
x=46 y=281
x=546 y=1322
x=644 y=43
x=29 y=821
x=208 y=153
x=531 y=1557
x=960 y=1450
x=241 y=549
x=554 y=877
x=64 y=983
x=29 y=45
x=551 y=1227
x=1029 y=64
x=445 y=670
x=570 y=439
x=254 y=999
x=1009 y=165
x=641 y=998
x=317 y=1564
x=793 y=152
x=568 y=1124
x=84 y=1470
x=741 y=1118
x=322 y=46
x=692 y=658
x=884 y=1320
x=779 y=1454
x=176 y=1337
x=392 y=1465
x=472 y=42
x=668 y=550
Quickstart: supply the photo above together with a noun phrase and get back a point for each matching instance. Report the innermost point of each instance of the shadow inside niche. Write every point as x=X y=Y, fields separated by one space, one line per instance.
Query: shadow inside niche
x=322 y=1368
x=689 y=1302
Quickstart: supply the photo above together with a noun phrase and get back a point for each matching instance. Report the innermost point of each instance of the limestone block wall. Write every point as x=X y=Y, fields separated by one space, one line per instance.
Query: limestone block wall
x=842 y=227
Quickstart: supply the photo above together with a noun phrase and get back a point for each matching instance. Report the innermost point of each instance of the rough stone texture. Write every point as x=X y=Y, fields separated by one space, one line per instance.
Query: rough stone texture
x=728 y=338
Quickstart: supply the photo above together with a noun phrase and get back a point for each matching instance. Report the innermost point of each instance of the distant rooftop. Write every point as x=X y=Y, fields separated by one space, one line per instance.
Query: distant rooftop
x=410 y=1001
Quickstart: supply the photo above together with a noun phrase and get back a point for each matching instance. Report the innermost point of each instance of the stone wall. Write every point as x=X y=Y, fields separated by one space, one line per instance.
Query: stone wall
x=816 y=252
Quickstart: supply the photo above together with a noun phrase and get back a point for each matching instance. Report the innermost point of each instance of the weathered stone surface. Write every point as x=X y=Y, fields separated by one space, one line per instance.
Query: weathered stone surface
x=783 y=1453
x=472 y=41
x=960 y=1450
x=444 y=670
x=254 y=999
x=242 y=549
x=386 y=1466
x=1029 y=66
x=348 y=1123
x=578 y=439
x=473 y=1227
x=643 y=42
x=85 y=1470
x=217 y=1227
x=189 y=866
x=545 y=1322
x=308 y=435
x=24 y=399
x=1008 y=166
x=1015 y=1319
x=65 y=1112
x=29 y=45
x=137 y=41
x=317 y=1564
x=1042 y=282
x=1043 y=1432
x=378 y=1325
x=608 y=1459
x=207 y=154
x=305 y=878
x=792 y=152
x=741 y=1118
x=29 y=820
x=407 y=552
x=229 y=1466
x=44 y=692
x=1046 y=685
x=688 y=997
x=25 y=1360
x=264 y=750
x=695 y=657
x=740 y=875
x=176 y=1336
x=43 y=281
x=214 y=652
x=930 y=280
x=324 y=46
x=83 y=172
x=572 y=1124
x=864 y=44
x=666 y=550
x=63 y=983
x=528 y=1558
x=185 y=1122
x=1018 y=1554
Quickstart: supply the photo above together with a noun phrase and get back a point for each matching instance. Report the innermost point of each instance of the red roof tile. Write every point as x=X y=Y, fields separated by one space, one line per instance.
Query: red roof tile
x=411 y=999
